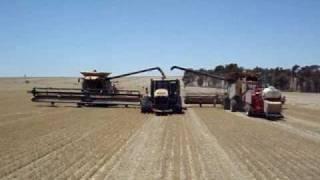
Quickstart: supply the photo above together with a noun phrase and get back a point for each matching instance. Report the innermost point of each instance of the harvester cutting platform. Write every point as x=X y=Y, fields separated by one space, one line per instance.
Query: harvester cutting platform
x=97 y=89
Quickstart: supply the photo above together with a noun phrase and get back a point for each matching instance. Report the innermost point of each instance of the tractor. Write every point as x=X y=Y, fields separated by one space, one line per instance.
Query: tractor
x=164 y=97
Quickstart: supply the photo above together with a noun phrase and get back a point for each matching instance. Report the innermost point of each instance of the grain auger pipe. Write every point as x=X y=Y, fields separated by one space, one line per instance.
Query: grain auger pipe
x=198 y=72
x=138 y=72
x=199 y=98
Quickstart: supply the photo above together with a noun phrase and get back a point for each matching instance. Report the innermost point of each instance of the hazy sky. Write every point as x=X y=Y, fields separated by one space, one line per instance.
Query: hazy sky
x=55 y=37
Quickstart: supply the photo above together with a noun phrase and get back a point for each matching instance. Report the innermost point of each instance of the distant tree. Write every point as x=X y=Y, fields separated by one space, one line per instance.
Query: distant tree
x=294 y=69
x=305 y=78
x=219 y=69
x=232 y=68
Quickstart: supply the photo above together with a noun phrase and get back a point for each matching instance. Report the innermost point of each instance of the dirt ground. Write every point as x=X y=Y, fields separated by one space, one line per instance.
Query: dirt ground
x=65 y=142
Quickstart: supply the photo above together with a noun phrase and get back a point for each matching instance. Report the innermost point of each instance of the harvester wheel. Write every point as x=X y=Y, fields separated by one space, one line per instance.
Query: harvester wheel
x=146 y=105
x=178 y=106
x=268 y=116
x=233 y=105
x=248 y=109
x=226 y=103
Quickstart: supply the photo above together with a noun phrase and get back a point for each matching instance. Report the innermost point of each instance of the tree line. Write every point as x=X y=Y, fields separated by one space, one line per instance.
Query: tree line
x=297 y=78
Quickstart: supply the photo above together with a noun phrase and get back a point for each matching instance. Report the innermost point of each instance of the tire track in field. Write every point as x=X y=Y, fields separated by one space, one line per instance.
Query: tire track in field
x=62 y=127
x=310 y=115
x=86 y=137
x=35 y=148
x=216 y=164
x=50 y=144
x=303 y=124
x=171 y=147
x=301 y=121
x=141 y=147
x=264 y=149
x=308 y=134
x=97 y=149
x=303 y=118
x=110 y=149
x=255 y=162
x=16 y=117
x=11 y=136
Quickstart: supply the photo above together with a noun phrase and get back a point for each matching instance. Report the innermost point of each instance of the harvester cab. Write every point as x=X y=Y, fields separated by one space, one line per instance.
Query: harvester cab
x=164 y=97
x=93 y=81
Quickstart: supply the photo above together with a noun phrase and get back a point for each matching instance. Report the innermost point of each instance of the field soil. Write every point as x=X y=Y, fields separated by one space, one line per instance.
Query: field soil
x=64 y=142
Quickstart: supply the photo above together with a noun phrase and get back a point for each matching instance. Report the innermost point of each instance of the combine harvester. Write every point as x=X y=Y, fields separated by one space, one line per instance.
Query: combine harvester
x=243 y=93
x=97 y=89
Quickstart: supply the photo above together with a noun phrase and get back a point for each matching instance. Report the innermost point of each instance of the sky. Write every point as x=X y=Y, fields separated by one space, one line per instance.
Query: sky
x=62 y=38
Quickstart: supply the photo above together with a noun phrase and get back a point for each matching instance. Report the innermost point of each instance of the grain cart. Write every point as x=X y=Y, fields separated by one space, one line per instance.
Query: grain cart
x=199 y=98
x=164 y=97
x=97 y=89
x=245 y=93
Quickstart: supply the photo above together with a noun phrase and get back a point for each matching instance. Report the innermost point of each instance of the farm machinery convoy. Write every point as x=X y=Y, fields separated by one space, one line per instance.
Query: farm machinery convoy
x=243 y=92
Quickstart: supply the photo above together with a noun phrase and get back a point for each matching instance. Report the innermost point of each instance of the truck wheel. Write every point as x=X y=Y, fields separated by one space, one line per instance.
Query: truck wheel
x=269 y=117
x=233 y=105
x=226 y=103
x=178 y=106
x=248 y=110
x=146 y=105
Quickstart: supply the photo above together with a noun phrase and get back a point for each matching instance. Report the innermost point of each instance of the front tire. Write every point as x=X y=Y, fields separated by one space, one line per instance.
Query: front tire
x=146 y=105
x=178 y=106
x=248 y=110
x=226 y=103
x=233 y=105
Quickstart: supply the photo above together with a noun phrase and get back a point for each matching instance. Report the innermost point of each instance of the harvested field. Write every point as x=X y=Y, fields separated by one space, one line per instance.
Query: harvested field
x=65 y=142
